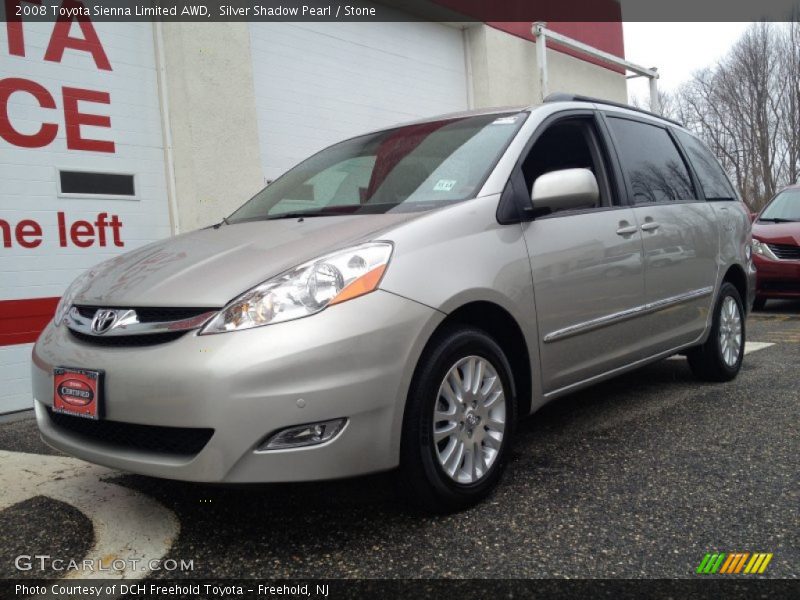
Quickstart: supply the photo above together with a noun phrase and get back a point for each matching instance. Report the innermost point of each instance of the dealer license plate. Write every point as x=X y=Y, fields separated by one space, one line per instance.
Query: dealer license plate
x=78 y=392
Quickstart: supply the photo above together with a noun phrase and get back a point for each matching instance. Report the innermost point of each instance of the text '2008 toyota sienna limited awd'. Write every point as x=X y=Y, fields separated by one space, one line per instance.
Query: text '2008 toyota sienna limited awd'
x=401 y=299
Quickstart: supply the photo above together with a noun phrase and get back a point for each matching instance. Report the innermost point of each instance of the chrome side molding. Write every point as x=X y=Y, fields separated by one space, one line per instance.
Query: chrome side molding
x=637 y=311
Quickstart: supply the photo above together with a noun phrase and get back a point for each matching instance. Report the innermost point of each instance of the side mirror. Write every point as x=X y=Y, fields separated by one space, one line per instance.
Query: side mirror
x=565 y=189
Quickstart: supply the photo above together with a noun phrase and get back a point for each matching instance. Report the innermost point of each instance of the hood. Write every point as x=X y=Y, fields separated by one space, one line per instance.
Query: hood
x=210 y=267
x=777 y=233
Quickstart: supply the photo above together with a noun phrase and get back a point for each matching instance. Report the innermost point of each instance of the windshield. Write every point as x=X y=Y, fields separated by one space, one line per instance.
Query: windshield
x=784 y=207
x=411 y=168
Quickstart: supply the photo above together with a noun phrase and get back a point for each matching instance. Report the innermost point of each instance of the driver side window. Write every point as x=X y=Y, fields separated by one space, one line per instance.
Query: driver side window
x=568 y=144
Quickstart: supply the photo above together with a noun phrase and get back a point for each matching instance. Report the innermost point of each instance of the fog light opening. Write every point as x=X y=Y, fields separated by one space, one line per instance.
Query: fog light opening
x=298 y=436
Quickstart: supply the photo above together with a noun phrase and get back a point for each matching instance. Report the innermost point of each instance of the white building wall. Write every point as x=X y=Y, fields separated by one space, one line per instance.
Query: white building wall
x=30 y=175
x=212 y=119
x=504 y=71
x=319 y=83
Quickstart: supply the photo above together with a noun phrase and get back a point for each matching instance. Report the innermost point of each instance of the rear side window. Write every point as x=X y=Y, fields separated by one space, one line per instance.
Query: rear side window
x=651 y=162
x=713 y=179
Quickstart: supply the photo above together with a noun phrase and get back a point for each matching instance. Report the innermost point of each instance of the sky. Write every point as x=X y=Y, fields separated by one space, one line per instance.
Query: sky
x=676 y=49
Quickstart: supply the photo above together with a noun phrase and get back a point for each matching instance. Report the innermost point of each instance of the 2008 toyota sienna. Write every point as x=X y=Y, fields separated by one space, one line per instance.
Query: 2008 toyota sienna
x=401 y=299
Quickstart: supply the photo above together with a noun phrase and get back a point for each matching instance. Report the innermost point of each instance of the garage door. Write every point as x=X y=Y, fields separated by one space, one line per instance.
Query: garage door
x=318 y=83
x=81 y=165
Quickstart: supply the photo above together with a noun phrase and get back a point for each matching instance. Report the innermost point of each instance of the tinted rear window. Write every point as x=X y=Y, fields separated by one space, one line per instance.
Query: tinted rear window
x=652 y=163
x=712 y=177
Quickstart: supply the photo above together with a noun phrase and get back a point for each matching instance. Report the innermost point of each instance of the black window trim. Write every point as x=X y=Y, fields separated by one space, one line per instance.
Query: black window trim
x=90 y=196
x=614 y=143
x=515 y=206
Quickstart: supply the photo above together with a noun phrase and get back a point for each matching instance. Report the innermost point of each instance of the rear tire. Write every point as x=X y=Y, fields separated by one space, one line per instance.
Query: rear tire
x=455 y=442
x=720 y=357
x=759 y=303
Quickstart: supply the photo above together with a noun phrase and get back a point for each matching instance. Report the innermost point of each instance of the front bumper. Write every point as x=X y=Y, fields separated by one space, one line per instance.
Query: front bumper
x=352 y=360
x=777 y=278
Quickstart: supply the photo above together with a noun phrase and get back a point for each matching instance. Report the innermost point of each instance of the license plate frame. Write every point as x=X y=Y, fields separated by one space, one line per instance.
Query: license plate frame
x=78 y=392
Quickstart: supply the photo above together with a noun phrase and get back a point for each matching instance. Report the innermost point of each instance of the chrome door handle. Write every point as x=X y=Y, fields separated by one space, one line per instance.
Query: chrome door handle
x=650 y=226
x=626 y=230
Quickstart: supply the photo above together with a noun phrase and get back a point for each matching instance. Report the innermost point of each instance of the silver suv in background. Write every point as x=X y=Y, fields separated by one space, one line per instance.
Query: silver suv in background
x=400 y=299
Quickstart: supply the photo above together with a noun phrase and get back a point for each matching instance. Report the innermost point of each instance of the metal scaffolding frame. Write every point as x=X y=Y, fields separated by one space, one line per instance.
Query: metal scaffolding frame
x=542 y=34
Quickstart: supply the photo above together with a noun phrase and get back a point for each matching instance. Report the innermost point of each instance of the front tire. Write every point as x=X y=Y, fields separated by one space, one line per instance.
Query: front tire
x=759 y=303
x=458 y=423
x=720 y=358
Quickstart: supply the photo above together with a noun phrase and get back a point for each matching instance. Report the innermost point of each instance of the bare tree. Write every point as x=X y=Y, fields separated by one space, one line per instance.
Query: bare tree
x=747 y=109
x=666 y=103
x=789 y=52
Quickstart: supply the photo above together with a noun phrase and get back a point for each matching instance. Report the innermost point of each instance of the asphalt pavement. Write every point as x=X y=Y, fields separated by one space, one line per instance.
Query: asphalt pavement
x=637 y=477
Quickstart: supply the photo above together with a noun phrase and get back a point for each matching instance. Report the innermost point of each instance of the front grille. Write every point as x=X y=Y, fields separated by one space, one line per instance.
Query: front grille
x=181 y=441
x=144 y=315
x=148 y=314
x=785 y=251
x=128 y=341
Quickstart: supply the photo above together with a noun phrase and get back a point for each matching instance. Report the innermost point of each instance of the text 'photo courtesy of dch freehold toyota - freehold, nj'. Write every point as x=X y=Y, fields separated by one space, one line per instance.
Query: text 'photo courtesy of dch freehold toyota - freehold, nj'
x=332 y=299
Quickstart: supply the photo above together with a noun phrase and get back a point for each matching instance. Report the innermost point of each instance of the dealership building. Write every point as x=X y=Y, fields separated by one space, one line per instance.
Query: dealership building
x=113 y=135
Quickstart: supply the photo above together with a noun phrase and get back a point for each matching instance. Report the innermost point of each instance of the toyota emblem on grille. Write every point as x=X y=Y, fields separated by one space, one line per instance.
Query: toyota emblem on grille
x=103 y=321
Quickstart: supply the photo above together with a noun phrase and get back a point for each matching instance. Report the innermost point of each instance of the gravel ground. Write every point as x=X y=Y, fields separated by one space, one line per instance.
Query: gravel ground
x=636 y=477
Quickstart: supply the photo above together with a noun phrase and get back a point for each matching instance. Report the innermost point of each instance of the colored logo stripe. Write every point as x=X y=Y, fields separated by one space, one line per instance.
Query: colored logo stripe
x=758 y=563
x=734 y=562
x=727 y=565
x=711 y=562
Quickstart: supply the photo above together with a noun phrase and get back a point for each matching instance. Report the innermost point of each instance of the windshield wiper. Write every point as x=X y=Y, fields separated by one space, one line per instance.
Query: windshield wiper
x=218 y=225
x=337 y=210
x=778 y=220
x=304 y=213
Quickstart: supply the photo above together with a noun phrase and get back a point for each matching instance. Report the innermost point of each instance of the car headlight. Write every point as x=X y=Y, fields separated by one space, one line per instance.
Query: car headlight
x=306 y=289
x=75 y=288
x=762 y=249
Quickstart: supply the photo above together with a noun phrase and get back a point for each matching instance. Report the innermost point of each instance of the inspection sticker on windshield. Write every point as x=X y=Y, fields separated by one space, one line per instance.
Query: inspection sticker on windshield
x=444 y=185
x=505 y=120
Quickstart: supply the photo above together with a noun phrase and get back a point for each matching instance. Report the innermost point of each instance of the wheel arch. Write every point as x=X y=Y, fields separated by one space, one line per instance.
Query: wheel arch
x=506 y=331
x=737 y=277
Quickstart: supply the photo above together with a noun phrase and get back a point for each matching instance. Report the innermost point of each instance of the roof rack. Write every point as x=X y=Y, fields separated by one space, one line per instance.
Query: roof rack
x=563 y=97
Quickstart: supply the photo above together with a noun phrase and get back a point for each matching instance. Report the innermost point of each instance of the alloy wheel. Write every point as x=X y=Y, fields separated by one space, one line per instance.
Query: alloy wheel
x=730 y=331
x=469 y=419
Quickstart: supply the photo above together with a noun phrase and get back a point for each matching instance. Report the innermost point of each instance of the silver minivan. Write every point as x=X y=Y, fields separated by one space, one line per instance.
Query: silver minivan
x=401 y=299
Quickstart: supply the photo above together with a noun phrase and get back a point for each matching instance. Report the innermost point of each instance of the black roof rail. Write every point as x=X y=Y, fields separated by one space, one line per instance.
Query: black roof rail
x=563 y=97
